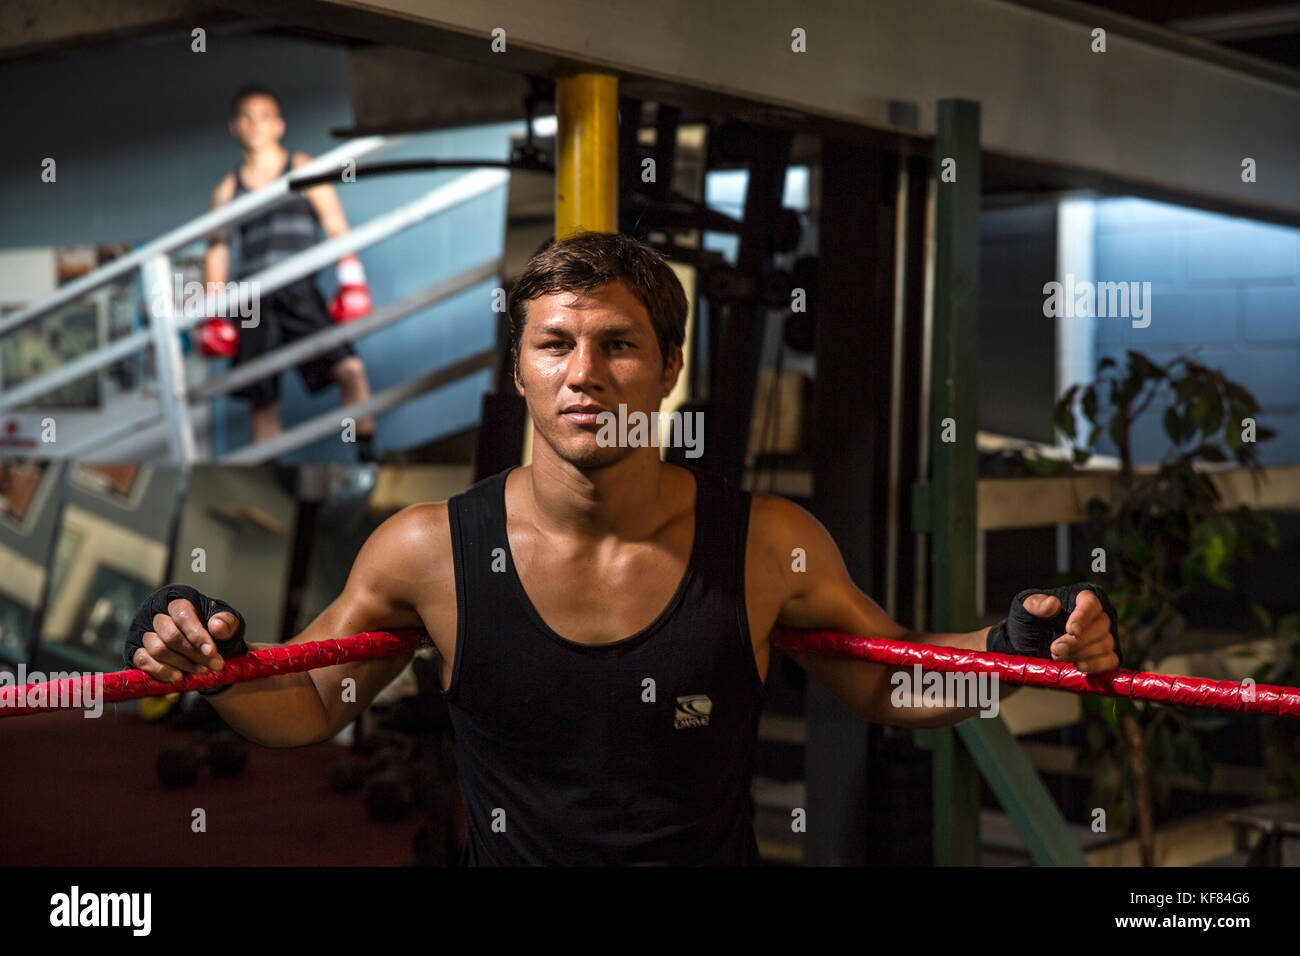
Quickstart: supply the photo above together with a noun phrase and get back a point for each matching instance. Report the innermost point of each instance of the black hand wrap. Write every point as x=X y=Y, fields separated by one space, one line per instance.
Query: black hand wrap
x=206 y=607
x=1023 y=633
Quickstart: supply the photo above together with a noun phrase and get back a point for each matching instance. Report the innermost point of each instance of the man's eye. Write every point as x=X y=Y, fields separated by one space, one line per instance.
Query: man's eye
x=620 y=343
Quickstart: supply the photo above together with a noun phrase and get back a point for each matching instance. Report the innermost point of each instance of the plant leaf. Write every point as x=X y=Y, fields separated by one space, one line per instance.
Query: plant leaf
x=1173 y=425
x=1090 y=403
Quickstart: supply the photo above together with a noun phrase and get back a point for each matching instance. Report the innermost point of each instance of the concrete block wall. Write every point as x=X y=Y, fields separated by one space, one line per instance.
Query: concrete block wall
x=1224 y=290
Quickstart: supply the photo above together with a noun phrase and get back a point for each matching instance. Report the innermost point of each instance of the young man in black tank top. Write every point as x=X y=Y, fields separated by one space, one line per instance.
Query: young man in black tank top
x=296 y=310
x=603 y=618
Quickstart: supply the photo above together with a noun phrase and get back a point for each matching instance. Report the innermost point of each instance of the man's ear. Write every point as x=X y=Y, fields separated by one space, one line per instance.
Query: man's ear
x=672 y=369
x=519 y=386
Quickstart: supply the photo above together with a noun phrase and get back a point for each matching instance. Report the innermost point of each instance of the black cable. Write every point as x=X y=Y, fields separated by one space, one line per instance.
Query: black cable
x=423 y=166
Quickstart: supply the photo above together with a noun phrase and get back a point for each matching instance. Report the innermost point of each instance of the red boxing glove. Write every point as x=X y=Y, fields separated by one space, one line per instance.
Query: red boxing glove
x=219 y=338
x=352 y=300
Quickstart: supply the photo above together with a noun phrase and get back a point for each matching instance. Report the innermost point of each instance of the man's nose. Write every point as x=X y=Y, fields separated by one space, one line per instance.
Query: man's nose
x=585 y=364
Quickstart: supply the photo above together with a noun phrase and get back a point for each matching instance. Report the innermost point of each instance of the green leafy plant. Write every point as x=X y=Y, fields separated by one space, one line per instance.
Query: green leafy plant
x=1162 y=535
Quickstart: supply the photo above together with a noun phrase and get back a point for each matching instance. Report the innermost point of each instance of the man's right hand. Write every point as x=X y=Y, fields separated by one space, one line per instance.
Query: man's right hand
x=179 y=631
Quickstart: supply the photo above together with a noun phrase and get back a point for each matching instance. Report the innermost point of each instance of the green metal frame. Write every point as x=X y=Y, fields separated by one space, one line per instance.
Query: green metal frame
x=945 y=507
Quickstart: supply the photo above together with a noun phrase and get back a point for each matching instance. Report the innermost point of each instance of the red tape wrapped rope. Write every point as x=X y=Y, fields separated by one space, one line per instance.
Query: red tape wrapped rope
x=1032 y=672
x=283 y=659
x=1053 y=675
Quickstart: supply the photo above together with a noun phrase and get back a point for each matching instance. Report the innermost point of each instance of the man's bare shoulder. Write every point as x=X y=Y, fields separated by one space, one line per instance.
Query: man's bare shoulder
x=224 y=190
x=786 y=539
x=408 y=558
x=774 y=520
x=424 y=528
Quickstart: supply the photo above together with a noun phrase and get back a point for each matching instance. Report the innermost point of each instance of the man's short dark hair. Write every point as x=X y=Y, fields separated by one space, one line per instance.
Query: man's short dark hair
x=589 y=260
x=252 y=89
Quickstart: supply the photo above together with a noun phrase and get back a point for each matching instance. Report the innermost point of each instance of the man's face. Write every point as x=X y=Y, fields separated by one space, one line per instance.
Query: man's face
x=582 y=355
x=258 y=123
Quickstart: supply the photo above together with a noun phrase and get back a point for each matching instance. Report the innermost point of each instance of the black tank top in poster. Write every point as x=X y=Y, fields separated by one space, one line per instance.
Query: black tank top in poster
x=288 y=228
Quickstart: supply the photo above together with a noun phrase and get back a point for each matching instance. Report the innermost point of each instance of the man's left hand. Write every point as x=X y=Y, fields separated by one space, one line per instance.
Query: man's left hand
x=1075 y=623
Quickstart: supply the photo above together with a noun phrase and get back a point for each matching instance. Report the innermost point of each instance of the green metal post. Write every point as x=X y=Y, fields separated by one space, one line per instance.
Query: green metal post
x=1020 y=790
x=945 y=508
x=954 y=399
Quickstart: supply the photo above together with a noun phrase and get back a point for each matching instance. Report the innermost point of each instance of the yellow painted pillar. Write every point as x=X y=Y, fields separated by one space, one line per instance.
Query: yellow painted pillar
x=586 y=164
x=586 y=153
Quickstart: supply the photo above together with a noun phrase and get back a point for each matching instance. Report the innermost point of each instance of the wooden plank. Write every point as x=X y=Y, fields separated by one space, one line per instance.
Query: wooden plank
x=1032 y=502
x=1191 y=843
x=397 y=486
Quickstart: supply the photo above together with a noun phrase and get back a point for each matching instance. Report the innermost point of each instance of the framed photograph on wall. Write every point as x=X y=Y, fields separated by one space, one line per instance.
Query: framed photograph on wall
x=76 y=329
x=51 y=341
x=20 y=481
x=122 y=484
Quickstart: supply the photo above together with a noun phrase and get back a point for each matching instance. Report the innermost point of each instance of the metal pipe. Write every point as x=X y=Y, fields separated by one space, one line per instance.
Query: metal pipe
x=428 y=166
x=586 y=146
x=169 y=365
x=112 y=433
x=892 y=530
x=920 y=596
x=71 y=371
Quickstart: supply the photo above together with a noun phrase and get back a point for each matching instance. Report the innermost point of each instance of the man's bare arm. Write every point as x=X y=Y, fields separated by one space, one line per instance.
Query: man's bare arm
x=396 y=567
x=325 y=201
x=825 y=597
x=216 y=260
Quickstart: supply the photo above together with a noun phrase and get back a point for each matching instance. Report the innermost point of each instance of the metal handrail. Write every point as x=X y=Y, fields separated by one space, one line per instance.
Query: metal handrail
x=328 y=423
x=437 y=200
x=153 y=261
x=295 y=353
x=232 y=213
x=321 y=342
x=102 y=357
x=123 y=428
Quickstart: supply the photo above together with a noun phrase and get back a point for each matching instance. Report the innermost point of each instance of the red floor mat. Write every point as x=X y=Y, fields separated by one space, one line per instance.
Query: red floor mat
x=79 y=792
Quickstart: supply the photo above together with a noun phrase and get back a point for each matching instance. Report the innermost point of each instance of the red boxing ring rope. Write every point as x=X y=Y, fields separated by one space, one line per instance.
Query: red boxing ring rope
x=1265 y=699
x=284 y=659
x=1028 y=671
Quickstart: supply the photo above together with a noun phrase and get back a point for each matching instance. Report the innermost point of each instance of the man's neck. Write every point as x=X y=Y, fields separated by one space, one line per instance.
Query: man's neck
x=268 y=157
x=625 y=500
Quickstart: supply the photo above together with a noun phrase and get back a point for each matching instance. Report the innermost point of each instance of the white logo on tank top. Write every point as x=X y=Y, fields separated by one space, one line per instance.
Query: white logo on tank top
x=693 y=710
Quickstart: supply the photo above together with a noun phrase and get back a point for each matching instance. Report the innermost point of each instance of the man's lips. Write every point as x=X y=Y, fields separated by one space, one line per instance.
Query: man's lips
x=582 y=414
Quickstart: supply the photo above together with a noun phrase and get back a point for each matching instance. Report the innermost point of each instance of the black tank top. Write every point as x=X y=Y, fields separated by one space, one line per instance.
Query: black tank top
x=288 y=228
x=638 y=752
